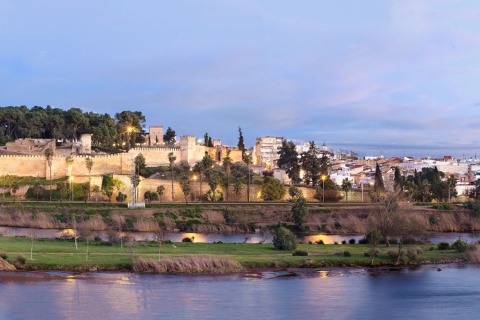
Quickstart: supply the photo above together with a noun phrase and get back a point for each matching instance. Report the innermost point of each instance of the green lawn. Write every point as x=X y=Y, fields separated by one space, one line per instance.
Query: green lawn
x=62 y=255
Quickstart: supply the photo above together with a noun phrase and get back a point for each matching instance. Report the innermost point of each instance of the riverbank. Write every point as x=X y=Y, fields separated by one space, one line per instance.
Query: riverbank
x=55 y=254
x=338 y=218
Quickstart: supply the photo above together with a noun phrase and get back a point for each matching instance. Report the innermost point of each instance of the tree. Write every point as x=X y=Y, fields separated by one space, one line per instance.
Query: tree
x=378 y=187
x=160 y=191
x=135 y=181
x=37 y=187
x=299 y=212
x=311 y=164
x=398 y=180
x=241 y=144
x=49 y=156
x=86 y=190
x=247 y=158
x=284 y=239
x=227 y=164
x=171 y=160
x=201 y=166
x=214 y=178
x=108 y=186
x=272 y=189
x=295 y=193
x=150 y=196
x=140 y=166
x=89 y=166
x=346 y=187
x=14 y=186
x=185 y=186
x=237 y=188
x=61 y=187
x=169 y=136
x=289 y=161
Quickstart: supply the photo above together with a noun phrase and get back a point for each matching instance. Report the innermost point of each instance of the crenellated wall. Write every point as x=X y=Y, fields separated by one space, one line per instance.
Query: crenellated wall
x=36 y=165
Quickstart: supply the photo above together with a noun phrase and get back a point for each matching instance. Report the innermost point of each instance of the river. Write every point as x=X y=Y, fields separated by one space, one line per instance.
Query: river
x=435 y=237
x=423 y=293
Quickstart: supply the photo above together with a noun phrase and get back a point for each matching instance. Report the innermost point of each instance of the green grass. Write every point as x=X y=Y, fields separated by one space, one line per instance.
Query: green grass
x=62 y=255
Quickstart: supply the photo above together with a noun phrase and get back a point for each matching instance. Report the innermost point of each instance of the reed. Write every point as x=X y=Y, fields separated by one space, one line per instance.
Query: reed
x=94 y=223
x=146 y=225
x=192 y=264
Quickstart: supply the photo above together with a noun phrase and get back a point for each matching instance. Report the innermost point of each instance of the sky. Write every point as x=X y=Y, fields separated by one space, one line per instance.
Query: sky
x=391 y=77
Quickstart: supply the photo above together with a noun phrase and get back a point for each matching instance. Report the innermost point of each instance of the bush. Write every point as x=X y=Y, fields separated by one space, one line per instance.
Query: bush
x=3 y=255
x=413 y=253
x=460 y=245
x=284 y=239
x=373 y=252
x=392 y=254
x=319 y=241
x=272 y=189
x=347 y=254
x=344 y=242
x=187 y=239
x=330 y=195
x=19 y=261
x=300 y=253
x=351 y=241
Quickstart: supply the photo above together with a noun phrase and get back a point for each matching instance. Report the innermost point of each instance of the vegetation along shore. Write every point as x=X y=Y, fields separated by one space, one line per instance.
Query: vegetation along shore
x=395 y=234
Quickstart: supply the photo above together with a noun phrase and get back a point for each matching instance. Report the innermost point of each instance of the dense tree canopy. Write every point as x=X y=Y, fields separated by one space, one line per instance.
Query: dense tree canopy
x=55 y=123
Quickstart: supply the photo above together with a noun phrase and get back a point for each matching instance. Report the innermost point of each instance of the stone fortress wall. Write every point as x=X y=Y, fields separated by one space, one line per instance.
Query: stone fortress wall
x=119 y=164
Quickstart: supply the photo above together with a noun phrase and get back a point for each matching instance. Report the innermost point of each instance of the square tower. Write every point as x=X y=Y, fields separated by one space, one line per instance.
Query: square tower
x=155 y=135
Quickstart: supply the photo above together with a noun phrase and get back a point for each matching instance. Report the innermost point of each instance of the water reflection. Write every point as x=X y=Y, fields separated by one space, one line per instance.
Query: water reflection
x=327 y=293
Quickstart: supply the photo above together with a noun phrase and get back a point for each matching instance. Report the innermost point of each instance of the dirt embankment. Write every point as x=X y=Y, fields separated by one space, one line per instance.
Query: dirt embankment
x=231 y=218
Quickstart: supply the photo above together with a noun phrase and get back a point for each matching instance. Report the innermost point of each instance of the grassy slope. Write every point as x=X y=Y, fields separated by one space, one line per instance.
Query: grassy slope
x=62 y=255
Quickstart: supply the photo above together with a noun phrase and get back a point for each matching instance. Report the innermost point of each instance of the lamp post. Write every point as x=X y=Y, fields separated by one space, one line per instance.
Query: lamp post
x=323 y=186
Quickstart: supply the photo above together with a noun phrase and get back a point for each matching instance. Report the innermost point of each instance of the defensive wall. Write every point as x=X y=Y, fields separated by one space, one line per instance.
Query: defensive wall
x=121 y=164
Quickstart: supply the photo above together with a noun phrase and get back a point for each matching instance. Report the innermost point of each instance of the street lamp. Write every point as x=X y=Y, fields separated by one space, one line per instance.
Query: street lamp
x=323 y=186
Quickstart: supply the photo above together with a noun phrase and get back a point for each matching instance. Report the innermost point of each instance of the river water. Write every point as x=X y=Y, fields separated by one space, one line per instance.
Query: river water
x=215 y=237
x=424 y=293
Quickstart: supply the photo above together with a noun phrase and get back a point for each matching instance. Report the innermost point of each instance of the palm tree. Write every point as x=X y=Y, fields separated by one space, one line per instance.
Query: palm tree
x=185 y=185
x=69 y=161
x=171 y=159
x=89 y=166
x=227 y=162
x=346 y=186
x=49 y=156
x=247 y=158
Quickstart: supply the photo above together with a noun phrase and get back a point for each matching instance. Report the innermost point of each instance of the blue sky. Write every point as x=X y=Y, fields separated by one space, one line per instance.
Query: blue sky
x=398 y=77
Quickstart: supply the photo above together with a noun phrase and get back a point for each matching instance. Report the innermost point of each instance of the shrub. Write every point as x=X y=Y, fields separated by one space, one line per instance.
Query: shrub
x=187 y=239
x=443 y=246
x=3 y=255
x=351 y=241
x=460 y=245
x=284 y=239
x=319 y=241
x=392 y=254
x=363 y=241
x=413 y=253
x=19 y=261
x=373 y=252
x=474 y=253
x=344 y=242
x=347 y=254
x=300 y=253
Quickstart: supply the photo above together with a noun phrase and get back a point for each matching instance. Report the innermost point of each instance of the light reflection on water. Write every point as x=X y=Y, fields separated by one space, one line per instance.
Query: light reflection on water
x=324 y=294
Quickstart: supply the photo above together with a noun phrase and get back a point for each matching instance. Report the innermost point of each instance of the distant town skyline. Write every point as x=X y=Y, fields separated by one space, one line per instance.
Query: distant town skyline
x=393 y=77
